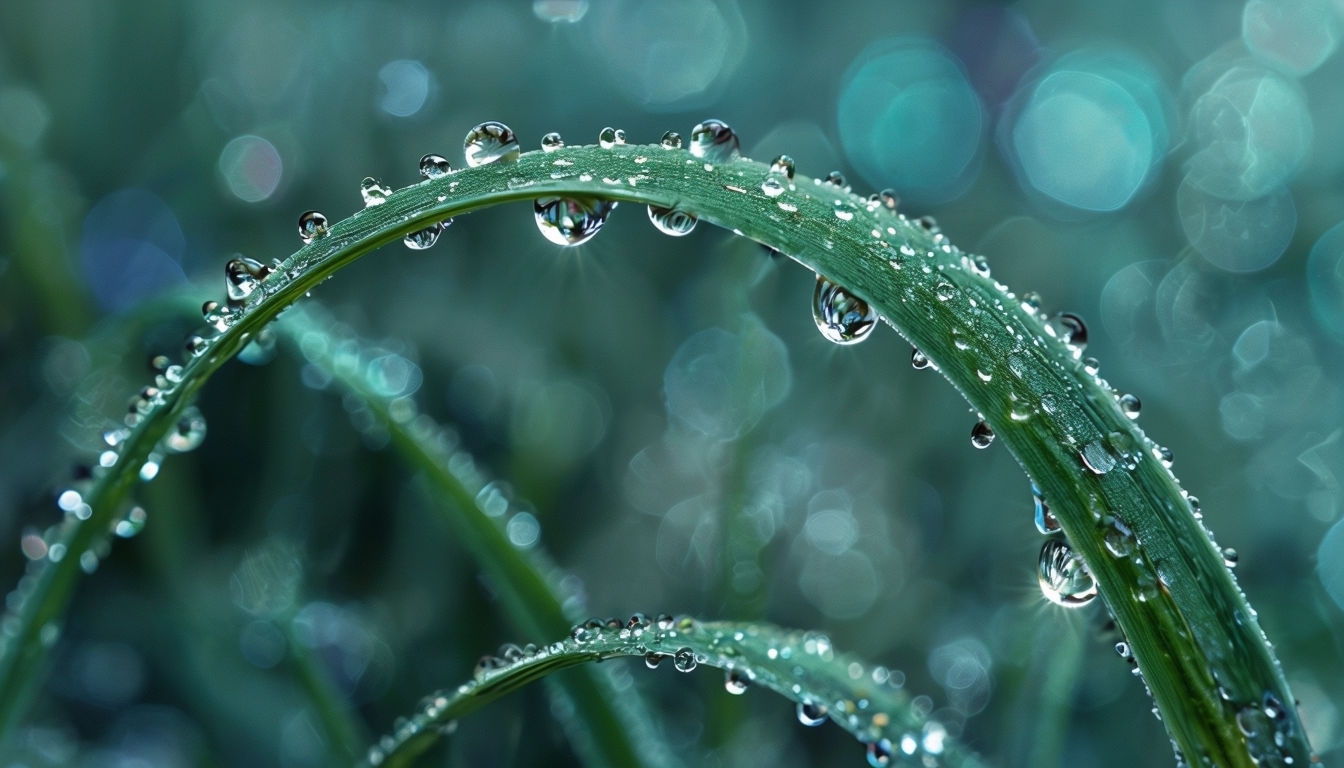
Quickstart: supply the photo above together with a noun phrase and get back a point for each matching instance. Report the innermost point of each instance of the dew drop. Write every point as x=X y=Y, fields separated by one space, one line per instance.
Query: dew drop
x=811 y=713
x=1118 y=538
x=1070 y=329
x=980 y=265
x=684 y=660
x=312 y=225
x=1130 y=405
x=1123 y=651
x=489 y=142
x=879 y=753
x=1092 y=365
x=671 y=140
x=671 y=221
x=373 y=192
x=1031 y=302
x=735 y=682
x=714 y=142
x=840 y=316
x=665 y=621
x=981 y=435
x=918 y=360
x=1097 y=458
x=1063 y=576
x=653 y=659
x=131 y=524
x=1230 y=557
x=890 y=200
x=1046 y=522
x=772 y=187
x=421 y=239
x=241 y=276
x=435 y=166
x=571 y=221
x=783 y=166
x=188 y=433
x=551 y=142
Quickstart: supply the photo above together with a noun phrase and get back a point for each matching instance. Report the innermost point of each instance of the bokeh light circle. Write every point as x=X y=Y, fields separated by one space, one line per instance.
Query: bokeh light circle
x=1237 y=235
x=1293 y=36
x=909 y=119
x=251 y=168
x=1325 y=280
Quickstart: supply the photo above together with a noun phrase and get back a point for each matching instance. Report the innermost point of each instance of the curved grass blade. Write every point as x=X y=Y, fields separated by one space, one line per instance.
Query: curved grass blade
x=610 y=728
x=1223 y=697
x=867 y=701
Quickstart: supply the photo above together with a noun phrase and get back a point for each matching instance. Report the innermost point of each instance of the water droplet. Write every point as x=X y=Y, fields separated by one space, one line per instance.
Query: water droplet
x=1031 y=302
x=918 y=360
x=811 y=713
x=671 y=221
x=981 y=435
x=312 y=225
x=980 y=265
x=840 y=316
x=890 y=200
x=714 y=142
x=1068 y=328
x=1046 y=522
x=783 y=166
x=1097 y=458
x=421 y=239
x=132 y=523
x=551 y=142
x=610 y=137
x=665 y=621
x=1092 y=365
x=486 y=664
x=241 y=276
x=1164 y=455
x=671 y=140
x=1063 y=576
x=581 y=634
x=772 y=186
x=571 y=221
x=1130 y=405
x=879 y=753
x=435 y=166
x=684 y=660
x=188 y=433
x=1230 y=557
x=1119 y=539
x=488 y=142
x=373 y=192
x=735 y=682
x=653 y=659
x=835 y=179
x=1123 y=651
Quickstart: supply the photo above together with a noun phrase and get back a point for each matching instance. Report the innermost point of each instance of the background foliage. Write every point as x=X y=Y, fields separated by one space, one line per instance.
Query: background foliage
x=1170 y=171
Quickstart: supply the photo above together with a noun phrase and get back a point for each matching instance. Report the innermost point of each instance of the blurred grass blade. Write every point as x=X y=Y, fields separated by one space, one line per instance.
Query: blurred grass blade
x=867 y=701
x=613 y=727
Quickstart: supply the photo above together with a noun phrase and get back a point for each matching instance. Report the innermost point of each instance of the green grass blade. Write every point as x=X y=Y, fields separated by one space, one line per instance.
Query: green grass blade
x=867 y=701
x=1222 y=695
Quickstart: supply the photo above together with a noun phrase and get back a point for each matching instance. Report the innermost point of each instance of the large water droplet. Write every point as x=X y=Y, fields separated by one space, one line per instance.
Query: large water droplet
x=373 y=192
x=1097 y=458
x=684 y=660
x=551 y=142
x=735 y=682
x=488 y=142
x=671 y=140
x=783 y=166
x=571 y=221
x=421 y=239
x=241 y=276
x=610 y=137
x=841 y=316
x=1130 y=405
x=188 y=433
x=981 y=435
x=434 y=166
x=714 y=142
x=1046 y=522
x=1063 y=576
x=811 y=713
x=312 y=225
x=671 y=221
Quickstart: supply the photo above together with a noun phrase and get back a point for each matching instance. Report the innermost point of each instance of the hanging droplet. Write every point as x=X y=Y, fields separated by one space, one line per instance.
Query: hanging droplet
x=421 y=239
x=918 y=360
x=841 y=316
x=652 y=659
x=671 y=140
x=714 y=142
x=811 y=713
x=489 y=142
x=735 y=682
x=879 y=753
x=434 y=166
x=684 y=660
x=1063 y=576
x=551 y=142
x=981 y=435
x=312 y=225
x=373 y=192
x=1068 y=328
x=783 y=166
x=241 y=276
x=1130 y=405
x=1046 y=522
x=571 y=221
x=1122 y=650
x=188 y=433
x=671 y=221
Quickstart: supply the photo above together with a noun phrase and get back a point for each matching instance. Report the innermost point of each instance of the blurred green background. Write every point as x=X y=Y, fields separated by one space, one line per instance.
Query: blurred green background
x=1171 y=171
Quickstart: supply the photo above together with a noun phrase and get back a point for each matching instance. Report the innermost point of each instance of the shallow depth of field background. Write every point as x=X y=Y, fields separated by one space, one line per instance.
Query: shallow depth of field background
x=1171 y=171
